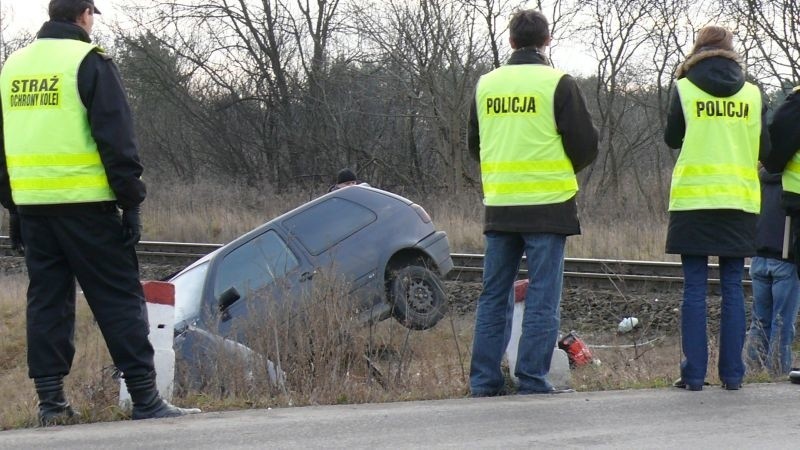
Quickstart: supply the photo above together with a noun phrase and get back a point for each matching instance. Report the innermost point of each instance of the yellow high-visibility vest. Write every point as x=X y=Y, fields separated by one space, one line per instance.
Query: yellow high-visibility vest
x=51 y=155
x=791 y=173
x=718 y=164
x=523 y=161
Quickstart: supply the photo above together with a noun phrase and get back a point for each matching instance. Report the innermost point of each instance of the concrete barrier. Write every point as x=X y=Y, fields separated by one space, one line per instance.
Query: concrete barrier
x=560 y=375
x=160 y=297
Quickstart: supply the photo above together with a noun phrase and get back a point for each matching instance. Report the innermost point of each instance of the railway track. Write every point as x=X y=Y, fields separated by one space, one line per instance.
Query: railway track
x=605 y=273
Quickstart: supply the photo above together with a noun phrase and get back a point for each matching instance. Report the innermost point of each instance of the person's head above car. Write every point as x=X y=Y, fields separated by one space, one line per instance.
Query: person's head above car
x=345 y=177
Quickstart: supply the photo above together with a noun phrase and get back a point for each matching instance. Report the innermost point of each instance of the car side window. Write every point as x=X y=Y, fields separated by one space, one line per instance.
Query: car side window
x=255 y=265
x=327 y=223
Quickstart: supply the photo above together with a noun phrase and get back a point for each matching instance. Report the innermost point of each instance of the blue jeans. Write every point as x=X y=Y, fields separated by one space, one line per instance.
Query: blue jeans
x=693 y=320
x=545 y=260
x=776 y=297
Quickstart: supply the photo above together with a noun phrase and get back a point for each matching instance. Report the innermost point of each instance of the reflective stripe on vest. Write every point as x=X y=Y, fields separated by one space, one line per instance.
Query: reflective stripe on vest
x=791 y=173
x=718 y=164
x=50 y=153
x=522 y=157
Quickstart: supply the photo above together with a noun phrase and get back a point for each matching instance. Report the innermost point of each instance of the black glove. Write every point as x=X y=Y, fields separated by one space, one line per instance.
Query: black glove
x=131 y=226
x=15 y=233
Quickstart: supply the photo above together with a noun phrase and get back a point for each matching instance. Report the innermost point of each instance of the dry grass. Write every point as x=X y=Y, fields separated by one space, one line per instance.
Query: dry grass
x=91 y=388
x=211 y=213
x=328 y=358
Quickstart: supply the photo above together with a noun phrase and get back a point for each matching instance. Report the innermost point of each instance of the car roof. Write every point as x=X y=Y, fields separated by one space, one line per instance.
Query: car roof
x=360 y=194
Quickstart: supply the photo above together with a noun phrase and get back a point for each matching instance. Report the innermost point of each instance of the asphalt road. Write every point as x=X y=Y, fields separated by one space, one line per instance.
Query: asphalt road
x=758 y=416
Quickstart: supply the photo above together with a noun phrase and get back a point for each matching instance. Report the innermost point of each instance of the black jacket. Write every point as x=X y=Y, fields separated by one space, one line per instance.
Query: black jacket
x=772 y=220
x=785 y=136
x=579 y=137
x=717 y=232
x=101 y=91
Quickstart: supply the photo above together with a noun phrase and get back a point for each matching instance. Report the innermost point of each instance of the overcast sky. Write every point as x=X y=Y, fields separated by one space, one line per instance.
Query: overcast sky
x=30 y=14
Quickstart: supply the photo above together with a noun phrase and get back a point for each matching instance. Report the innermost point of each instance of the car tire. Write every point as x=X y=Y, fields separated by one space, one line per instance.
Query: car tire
x=418 y=299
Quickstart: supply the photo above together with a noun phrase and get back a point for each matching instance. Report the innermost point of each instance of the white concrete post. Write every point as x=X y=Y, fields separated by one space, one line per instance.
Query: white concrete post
x=160 y=297
x=560 y=375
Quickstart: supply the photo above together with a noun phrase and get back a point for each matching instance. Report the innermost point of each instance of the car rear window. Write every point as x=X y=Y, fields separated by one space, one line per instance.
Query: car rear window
x=327 y=223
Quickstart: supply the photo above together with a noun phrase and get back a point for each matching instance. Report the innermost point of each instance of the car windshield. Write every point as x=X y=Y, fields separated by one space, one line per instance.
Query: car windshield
x=188 y=293
x=254 y=265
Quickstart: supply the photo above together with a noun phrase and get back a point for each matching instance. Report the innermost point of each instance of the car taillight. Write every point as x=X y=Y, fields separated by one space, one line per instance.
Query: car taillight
x=421 y=213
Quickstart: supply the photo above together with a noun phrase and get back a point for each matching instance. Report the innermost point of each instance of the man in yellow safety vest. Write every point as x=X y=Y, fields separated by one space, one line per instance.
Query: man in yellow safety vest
x=531 y=131
x=68 y=160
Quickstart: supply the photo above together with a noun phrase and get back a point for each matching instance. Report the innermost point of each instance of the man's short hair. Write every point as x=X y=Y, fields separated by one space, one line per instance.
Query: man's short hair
x=69 y=10
x=529 y=28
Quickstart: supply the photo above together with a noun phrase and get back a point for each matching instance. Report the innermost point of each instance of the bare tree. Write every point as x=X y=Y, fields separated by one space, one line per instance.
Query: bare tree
x=436 y=49
x=9 y=44
x=769 y=33
x=494 y=13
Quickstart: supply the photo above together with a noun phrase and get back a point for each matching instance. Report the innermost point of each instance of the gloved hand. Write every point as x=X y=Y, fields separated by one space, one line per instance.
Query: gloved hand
x=131 y=226
x=15 y=233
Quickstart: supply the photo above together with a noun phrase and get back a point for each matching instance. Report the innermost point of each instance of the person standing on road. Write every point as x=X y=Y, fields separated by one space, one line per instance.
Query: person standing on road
x=531 y=131
x=68 y=161
x=776 y=288
x=715 y=118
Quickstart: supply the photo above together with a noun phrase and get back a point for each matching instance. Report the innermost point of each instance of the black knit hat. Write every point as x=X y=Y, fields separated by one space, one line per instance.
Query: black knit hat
x=345 y=175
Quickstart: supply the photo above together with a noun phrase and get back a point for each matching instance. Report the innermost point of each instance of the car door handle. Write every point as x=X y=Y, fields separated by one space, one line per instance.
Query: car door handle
x=305 y=276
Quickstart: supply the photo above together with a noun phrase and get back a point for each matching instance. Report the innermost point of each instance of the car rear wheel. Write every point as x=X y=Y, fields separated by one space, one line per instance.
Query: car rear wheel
x=419 y=301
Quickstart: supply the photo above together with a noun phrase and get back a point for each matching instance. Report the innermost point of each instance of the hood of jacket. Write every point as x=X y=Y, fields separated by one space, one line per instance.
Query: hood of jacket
x=527 y=55
x=718 y=72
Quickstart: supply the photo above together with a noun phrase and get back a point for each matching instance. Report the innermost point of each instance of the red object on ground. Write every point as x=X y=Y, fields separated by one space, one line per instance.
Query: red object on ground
x=160 y=292
x=520 y=287
x=578 y=353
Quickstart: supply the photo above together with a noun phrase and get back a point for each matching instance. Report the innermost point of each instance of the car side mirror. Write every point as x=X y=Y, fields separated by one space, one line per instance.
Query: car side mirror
x=228 y=297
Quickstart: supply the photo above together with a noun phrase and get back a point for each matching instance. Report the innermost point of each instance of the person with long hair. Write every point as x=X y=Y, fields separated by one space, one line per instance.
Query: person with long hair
x=716 y=120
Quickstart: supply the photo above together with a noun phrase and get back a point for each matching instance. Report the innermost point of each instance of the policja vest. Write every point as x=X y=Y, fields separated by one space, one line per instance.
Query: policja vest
x=50 y=153
x=718 y=164
x=791 y=173
x=523 y=161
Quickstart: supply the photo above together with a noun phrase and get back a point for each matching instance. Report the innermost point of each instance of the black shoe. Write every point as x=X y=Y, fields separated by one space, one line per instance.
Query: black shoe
x=680 y=384
x=731 y=386
x=160 y=409
x=54 y=409
x=552 y=390
x=794 y=375
x=52 y=417
x=502 y=392
x=147 y=403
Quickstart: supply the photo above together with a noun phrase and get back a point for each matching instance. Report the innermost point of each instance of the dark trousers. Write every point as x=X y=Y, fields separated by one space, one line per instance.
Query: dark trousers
x=694 y=320
x=87 y=246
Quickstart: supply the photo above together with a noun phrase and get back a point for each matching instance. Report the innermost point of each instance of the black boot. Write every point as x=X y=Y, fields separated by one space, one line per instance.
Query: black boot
x=147 y=404
x=54 y=409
